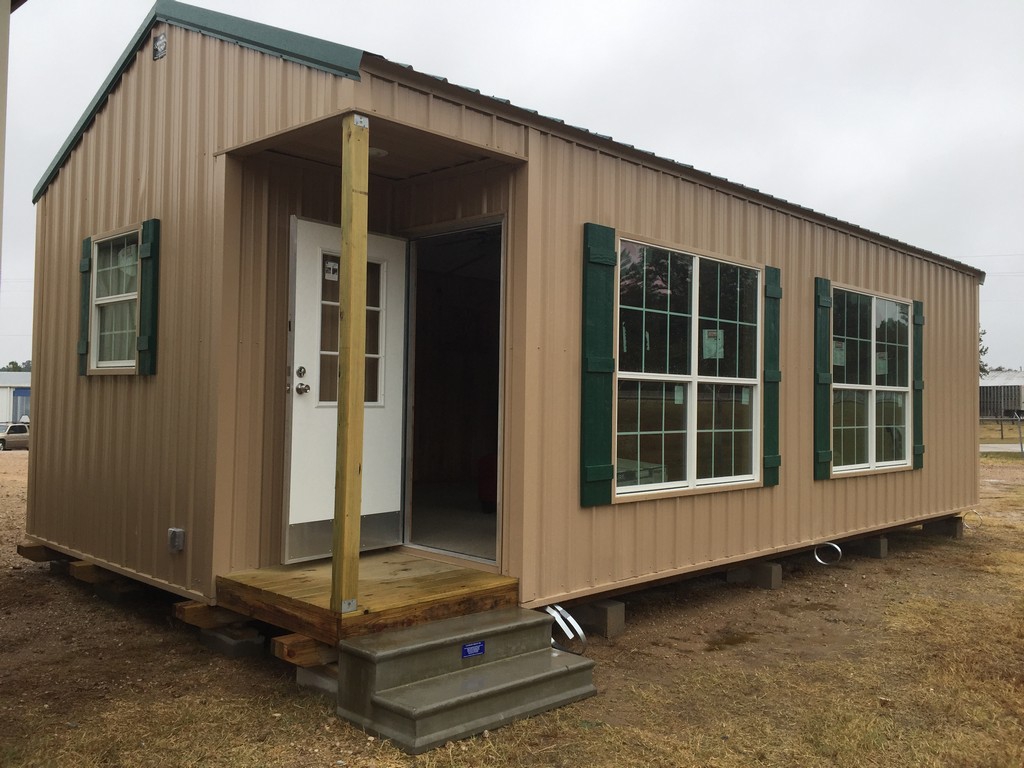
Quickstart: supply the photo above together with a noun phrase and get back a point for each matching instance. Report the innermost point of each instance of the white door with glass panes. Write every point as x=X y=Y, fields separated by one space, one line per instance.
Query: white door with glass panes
x=313 y=391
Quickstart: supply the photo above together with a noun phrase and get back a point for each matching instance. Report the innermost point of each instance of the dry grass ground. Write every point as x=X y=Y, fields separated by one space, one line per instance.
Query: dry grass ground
x=916 y=660
x=994 y=432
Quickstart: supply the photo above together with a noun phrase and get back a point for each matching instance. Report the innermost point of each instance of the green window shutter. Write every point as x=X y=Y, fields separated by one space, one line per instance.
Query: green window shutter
x=149 y=269
x=598 y=376
x=918 y=395
x=772 y=374
x=84 y=306
x=822 y=378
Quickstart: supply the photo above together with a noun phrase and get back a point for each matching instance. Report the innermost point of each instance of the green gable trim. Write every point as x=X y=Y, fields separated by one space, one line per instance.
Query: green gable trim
x=84 y=306
x=822 y=378
x=149 y=271
x=772 y=375
x=329 y=57
x=313 y=52
x=918 y=393
x=598 y=369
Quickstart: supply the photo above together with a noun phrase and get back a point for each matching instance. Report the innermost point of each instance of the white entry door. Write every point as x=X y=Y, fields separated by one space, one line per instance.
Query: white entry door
x=314 y=387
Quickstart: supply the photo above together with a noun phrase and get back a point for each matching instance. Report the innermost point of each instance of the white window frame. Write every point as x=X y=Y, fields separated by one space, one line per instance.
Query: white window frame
x=874 y=388
x=692 y=382
x=128 y=365
x=378 y=400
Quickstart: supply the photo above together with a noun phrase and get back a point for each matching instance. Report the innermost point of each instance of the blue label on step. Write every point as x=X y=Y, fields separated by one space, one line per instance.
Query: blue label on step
x=470 y=650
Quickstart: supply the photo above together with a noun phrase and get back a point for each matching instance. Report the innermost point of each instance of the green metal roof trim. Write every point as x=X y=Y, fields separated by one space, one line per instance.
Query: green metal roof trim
x=329 y=57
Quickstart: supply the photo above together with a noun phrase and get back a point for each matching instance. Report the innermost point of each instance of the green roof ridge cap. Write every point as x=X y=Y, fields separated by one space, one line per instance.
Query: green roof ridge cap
x=313 y=52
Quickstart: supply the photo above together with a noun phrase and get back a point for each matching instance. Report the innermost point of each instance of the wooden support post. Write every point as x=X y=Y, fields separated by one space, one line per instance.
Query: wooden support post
x=348 y=486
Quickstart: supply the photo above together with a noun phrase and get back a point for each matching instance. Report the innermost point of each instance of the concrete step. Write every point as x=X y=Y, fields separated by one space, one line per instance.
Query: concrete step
x=409 y=655
x=450 y=679
x=422 y=715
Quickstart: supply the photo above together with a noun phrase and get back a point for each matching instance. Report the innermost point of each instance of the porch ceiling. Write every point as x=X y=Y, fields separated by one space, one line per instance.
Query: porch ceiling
x=409 y=151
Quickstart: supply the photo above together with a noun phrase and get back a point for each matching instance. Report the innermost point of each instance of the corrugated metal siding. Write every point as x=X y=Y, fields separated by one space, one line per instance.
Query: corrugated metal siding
x=119 y=459
x=217 y=404
x=383 y=95
x=586 y=550
x=150 y=153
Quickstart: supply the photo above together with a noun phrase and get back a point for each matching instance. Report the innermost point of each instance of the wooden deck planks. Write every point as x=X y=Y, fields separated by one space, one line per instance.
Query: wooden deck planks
x=395 y=590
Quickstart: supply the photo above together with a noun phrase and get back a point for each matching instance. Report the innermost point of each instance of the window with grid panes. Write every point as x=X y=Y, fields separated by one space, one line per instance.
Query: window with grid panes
x=373 y=388
x=117 y=305
x=871 y=380
x=115 y=301
x=687 y=380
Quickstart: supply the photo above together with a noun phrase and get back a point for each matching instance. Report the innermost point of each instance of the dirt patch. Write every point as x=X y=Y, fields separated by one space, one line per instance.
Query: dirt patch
x=916 y=660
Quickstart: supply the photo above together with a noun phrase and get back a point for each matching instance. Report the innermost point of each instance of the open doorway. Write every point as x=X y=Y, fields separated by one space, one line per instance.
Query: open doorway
x=454 y=370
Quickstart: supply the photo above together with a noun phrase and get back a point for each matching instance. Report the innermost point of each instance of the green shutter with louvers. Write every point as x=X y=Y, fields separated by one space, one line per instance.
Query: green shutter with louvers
x=84 y=302
x=598 y=365
x=822 y=378
x=149 y=270
x=772 y=374
x=918 y=395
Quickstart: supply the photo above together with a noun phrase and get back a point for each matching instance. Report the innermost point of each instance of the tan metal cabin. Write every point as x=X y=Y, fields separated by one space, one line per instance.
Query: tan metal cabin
x=584 y=367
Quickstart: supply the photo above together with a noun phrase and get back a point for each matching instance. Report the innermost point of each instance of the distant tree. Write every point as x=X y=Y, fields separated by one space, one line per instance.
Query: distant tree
x=16 y=367
x=983 y=368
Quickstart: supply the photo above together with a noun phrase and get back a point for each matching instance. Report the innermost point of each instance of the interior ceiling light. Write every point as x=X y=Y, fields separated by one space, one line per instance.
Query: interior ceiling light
x=377 y=152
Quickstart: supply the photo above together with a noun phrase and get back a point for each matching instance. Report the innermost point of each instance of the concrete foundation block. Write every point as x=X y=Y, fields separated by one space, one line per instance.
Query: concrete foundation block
x=763 y=575
x=949 y=527
x=606 y=618
x=739 y=575
x=236 y=641
x=118 y=591
x=324 y=678
x=873 y=546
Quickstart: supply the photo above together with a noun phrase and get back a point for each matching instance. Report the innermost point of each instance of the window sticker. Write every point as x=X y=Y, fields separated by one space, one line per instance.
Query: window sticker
x=677 y=394
x=714 y=344
x=881 y=364
x=331 y=271
x=839 y=353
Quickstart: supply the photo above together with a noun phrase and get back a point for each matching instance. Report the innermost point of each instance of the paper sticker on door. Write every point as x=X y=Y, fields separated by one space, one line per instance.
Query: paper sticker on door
x=331 y=270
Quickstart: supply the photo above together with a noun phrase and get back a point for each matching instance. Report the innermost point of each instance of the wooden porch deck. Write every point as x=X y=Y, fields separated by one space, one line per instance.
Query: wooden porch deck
x=396 y=589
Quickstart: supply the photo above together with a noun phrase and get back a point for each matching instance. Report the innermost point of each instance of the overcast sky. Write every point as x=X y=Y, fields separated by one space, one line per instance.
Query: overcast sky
x=902 y=116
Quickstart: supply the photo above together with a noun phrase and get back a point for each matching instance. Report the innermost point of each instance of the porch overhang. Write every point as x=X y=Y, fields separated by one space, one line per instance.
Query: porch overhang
x=398 y=152
x=363 y=147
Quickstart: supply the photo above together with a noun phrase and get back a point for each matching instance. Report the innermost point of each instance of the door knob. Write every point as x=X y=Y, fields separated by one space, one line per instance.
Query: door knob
x=302 y=389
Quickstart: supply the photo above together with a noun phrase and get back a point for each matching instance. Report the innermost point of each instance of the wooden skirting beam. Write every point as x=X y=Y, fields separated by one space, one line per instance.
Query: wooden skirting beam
x=303 y=651
x=108 y=585
x=89 y=573
x=39 y=553
x=206 y=616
